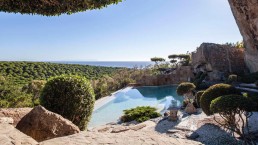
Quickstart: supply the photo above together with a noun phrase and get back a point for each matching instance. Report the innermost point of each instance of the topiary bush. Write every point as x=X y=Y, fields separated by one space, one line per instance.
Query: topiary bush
x=214 y=92
x=253 y=97
x=185 y=88
x=140 y=114
x=198 y=97
x=229 y=103
x=235 y=111
x=70 y=96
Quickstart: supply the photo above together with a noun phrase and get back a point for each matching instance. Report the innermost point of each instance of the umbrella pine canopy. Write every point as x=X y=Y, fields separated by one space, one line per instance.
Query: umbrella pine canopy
x=52 y=7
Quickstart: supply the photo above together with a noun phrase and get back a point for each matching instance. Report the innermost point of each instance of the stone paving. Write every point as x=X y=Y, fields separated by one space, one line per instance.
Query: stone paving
x=11 y=136
x=124 y=138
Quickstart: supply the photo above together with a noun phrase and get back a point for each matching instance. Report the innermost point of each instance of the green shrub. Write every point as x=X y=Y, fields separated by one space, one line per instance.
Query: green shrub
x=35 y=87
x=212 y=93
x=232 y=78
x=198 y=97
x=70 y=96
x=231 y=108
x=184 y=88
x=12 y=96
x=253 y=97
x=250 y=78
x=229 y=103
x=139 y=114
x=198 y=80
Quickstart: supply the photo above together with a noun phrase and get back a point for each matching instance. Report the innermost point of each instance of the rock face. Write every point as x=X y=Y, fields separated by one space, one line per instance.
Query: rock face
x=182 y=74
x=218 y=61
x=42 y=124
x=11 y=136
x=246 y=15
x=15 y=113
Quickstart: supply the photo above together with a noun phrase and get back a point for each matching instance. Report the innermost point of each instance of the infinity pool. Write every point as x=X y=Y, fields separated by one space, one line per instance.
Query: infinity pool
x=159 y=97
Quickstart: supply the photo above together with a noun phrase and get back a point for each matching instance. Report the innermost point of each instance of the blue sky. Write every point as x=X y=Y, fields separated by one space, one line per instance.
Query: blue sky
x=134 y=30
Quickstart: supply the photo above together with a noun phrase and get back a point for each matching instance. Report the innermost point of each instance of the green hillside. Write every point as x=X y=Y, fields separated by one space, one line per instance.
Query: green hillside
x=23 y=72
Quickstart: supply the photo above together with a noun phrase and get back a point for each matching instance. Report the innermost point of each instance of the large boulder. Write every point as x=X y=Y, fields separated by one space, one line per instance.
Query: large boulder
x=15 y=113
x=246 y=15
x=218 y=61
x=42 y=124
x=11 y=136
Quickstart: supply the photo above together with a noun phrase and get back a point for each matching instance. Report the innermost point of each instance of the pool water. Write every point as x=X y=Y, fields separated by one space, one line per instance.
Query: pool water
x=159 y=97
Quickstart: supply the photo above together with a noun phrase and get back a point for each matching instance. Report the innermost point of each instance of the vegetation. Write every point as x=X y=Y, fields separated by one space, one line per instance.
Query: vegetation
x=236 y=45
x=214 y=92
x=253 y=97
x=139 y=114
x=25 y=72
x=70 y=96
x=185 y=88
x=157 y=60
x=234 y=110
x=250 y=78
x=111 y=83
x=184 y=59
x=52 y=8
x=29 y=77
x=11 y=95
x=198 y=97
x=198 y=81
x=34 y=88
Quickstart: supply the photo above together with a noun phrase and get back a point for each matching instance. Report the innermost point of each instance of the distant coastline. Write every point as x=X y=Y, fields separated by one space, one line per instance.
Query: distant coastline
x=127 y=64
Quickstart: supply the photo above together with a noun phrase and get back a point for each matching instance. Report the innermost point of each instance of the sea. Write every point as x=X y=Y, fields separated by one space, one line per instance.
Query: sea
x=125 y=64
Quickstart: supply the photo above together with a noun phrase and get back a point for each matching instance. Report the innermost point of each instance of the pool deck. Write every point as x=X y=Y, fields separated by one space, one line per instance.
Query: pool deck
x=100 y=102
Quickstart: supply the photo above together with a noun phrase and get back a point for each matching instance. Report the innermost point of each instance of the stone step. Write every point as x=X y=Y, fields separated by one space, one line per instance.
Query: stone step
x=252 y=86
x=247 y=89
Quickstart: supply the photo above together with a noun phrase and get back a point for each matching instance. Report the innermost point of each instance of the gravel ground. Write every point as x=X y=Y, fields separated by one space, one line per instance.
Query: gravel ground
x=205 y=126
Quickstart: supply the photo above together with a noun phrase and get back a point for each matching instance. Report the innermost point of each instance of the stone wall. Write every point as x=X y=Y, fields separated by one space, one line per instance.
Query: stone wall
x=218 y=61
x=246 y=15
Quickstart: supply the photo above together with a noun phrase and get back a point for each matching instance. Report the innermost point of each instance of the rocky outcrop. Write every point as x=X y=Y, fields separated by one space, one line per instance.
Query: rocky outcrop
x=11 y=136
x=181 y=74
x=42 y=124
x=218 y=61
x=15 y=113
x=246 y=15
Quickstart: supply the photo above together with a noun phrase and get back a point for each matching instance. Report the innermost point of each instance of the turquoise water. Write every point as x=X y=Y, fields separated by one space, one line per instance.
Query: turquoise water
x=159 y=97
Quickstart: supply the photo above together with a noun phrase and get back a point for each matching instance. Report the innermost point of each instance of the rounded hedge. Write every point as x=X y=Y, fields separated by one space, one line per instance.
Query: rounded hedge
x=52 y=7
x=229 y=104
x=184 y=88
x=198 y=97
x=214 y=92
x=253 y=97
x=70 y=96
